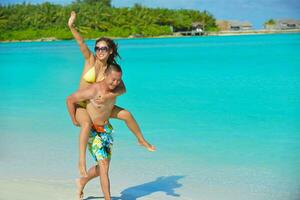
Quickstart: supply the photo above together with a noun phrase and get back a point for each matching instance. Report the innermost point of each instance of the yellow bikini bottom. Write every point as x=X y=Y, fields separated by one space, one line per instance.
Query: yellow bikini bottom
x=82 y=104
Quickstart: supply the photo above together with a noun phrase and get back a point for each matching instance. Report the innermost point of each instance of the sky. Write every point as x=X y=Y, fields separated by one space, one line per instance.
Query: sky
x=253 y=11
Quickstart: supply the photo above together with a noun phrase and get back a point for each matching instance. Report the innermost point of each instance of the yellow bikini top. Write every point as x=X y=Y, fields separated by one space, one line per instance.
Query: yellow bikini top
x=90 y=76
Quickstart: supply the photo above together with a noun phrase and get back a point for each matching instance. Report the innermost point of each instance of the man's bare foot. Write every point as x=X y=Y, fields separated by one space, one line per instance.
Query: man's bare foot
x=148 y=146
x=79 y=189
x=82 y=169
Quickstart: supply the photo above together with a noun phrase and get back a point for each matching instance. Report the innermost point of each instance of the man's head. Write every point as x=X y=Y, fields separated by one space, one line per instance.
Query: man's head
x=113 y=76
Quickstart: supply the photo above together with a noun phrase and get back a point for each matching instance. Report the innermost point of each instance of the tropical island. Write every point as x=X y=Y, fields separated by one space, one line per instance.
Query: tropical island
x=96 y=18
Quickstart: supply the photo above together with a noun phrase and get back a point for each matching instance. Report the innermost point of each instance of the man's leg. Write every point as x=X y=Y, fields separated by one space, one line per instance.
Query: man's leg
x=104 y=178
x=85 y=126
x=82 y=181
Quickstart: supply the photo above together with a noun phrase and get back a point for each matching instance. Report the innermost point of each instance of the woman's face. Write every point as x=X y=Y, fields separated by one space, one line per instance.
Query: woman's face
x=102 y=51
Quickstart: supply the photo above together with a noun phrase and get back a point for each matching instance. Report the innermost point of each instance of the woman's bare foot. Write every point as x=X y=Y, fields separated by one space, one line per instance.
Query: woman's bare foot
x=148 y=146
x=82 y=169
x=79 y=189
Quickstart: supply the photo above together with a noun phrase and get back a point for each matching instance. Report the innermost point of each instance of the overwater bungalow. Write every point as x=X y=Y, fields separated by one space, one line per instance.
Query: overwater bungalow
x=287 y=24
x=233 y=25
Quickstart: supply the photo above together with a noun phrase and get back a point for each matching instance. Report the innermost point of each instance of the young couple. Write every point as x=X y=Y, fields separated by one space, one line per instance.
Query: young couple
x=93 y=104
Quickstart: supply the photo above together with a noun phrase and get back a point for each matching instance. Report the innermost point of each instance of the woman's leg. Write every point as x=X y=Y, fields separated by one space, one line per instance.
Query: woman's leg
x=82 y=181
x=85 y=126
x=104 y=178
x=122 y=114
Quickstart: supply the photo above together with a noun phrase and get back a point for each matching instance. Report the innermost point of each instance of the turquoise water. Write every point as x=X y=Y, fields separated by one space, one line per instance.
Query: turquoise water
x=223 y=112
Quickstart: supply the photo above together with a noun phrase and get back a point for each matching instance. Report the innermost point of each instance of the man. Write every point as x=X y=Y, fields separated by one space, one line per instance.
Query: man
x=100 y=139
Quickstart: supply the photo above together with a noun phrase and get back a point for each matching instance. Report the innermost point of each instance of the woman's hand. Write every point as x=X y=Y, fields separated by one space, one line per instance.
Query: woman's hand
x=72 y=19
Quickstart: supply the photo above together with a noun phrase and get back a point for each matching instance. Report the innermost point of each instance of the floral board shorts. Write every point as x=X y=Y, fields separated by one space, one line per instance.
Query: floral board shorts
x=100 y=142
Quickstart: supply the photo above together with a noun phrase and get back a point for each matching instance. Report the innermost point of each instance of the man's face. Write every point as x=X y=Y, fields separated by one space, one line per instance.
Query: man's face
x=113 y=79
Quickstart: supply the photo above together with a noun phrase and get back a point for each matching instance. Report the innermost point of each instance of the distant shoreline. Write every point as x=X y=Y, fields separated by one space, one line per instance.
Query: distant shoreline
x=220 y=33
x=252 y=32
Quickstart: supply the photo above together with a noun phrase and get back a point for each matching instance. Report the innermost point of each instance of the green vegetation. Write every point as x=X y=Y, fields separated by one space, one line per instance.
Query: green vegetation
x=95 y=18
x=270 y=22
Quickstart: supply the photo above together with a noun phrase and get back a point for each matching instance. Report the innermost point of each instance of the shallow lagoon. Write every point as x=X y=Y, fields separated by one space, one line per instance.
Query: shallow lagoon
x=222 y=111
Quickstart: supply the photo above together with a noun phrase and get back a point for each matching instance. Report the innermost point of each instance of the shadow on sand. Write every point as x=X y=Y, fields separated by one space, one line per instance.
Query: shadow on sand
x=164 y=184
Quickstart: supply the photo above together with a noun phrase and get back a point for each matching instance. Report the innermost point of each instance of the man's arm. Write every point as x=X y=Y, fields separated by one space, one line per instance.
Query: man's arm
x=119 y=90
x=80 y=95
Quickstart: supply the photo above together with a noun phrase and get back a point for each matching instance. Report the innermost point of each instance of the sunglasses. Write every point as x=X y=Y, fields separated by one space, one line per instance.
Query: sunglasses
x=101 y=49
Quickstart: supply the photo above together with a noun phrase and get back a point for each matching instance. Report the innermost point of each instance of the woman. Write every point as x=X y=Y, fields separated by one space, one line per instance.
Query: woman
x=105 y=53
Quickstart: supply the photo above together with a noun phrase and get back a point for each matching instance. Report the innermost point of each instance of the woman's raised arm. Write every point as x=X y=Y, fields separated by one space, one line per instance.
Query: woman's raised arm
x=83 y=47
